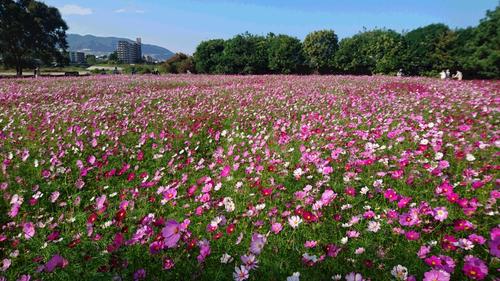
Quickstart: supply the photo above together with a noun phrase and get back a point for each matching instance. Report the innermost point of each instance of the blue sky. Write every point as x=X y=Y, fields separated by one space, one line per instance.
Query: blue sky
x=180 y=25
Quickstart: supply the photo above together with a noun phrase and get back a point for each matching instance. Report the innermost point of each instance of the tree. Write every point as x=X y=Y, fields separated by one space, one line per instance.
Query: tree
x=368 y=52
x=208 y=56
x=91 y=59
x=319 y=49
x=285 y=54
x=481 y=54
x=245 y=54
x=179 y=63
x=29 y=31
x=428 y=49
x=113 y=57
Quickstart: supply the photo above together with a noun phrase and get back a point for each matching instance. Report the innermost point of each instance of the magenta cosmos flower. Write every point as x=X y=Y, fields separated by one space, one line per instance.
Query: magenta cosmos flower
x=475 y=268
x=225 y=171
x=436 y=275
x=495 y=242
x=412 y=235
x=172 y=233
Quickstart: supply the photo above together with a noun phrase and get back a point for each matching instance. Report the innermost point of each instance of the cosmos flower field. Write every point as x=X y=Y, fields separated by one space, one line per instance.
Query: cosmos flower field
x=249 y=178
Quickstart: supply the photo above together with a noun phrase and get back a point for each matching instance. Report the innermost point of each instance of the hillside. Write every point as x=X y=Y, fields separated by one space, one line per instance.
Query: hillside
x=97 y=45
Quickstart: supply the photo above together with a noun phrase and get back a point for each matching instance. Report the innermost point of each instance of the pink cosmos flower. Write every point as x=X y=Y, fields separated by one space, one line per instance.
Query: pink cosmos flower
x=100 y=203
x=240 y=273
x=478 y=239
x=14 y=210
x=462 y=225
x=170 y=194
x=91 y=160
x=171 y=233
x=436 y=275
x=46 y=173
x=391 y=195
x=257 y=243
x=204 y=250
x=168 y=263
x=464 y=128
x=332 y=250
x=54 y=262
x=352 y=234
x=53 y=196
x=442 y=262
x=310 y=244
x=79 y=183
x=409 y=219
x=423 y=251
x=276 y=227
x=403 y=202
x=359 y=251
x=24 y=277
x=140 y=274
x=440 y=213
x=29 y=230
x=353 y=276
x=249 y=261
x=351 y=191
x=5 y=264
x=327 y=196
x=327 y=170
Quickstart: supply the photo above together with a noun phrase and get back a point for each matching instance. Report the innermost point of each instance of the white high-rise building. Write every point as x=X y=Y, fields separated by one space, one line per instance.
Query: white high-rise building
x=129 y=52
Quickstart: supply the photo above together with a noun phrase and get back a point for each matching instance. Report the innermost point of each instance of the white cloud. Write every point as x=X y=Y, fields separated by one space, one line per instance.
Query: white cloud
x=70 y=9
x=129 y=10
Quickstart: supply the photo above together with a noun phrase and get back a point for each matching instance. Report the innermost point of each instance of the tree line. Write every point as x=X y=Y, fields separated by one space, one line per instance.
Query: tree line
x=32 y=33
x=424 y=51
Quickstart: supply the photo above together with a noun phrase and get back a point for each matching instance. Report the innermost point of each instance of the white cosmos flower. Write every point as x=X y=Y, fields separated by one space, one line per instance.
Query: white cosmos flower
x=364 y=190
x=294 y=221
x=226 y=258
x=400 y=272
x=469 y=157
x=228 y=204
x=295 y=277
x=298 y=172
x=373 y=226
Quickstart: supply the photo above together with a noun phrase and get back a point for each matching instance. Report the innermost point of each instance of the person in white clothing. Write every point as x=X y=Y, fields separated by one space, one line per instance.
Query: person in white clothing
x=458 y=75
x=442 y=75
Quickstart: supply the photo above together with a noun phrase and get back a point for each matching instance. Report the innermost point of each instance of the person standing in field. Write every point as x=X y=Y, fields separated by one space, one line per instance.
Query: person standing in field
x=442 y=75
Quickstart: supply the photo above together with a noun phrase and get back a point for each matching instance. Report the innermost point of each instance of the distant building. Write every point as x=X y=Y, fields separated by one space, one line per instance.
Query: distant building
x=129 y=52
x=149 y=59
x=76 y=57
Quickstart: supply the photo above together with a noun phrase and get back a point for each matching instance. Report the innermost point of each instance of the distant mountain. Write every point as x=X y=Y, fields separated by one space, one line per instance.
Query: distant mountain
x=96 y=45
